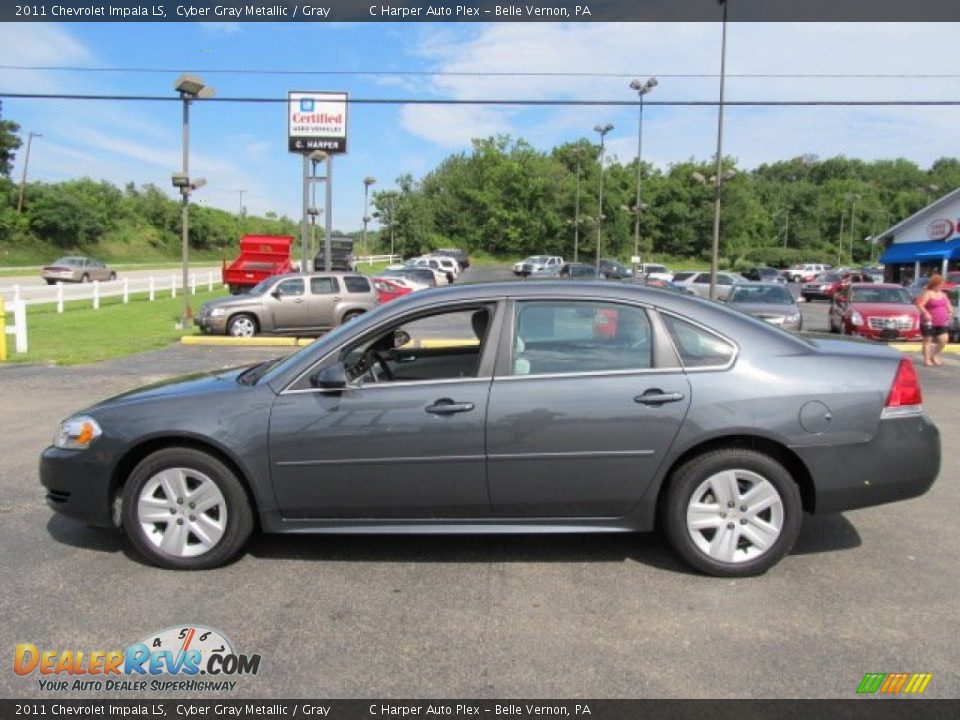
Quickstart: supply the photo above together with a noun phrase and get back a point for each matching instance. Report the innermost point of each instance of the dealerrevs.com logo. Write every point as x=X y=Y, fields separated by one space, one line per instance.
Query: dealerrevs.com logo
x=190 y=658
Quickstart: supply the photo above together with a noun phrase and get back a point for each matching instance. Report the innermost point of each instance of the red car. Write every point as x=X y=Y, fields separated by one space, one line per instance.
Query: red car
x=390 y=289
x=827 y=285
x=876 y=311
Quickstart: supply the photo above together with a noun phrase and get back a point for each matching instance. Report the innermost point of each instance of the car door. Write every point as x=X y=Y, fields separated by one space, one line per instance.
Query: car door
x=323 y=300
x=584 y=407
x=408 y=443
x=287 y=305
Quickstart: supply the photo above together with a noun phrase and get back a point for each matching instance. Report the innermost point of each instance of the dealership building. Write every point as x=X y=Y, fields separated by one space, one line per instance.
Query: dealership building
x=926 y=242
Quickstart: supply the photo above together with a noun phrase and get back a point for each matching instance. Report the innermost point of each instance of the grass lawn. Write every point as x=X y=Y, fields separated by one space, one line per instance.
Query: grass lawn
x=84 y=335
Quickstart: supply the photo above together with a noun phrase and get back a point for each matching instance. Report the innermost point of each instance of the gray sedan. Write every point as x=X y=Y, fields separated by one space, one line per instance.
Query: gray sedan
x=770 y=302
x=510 y=408
x=290 y=304
x=76 y=269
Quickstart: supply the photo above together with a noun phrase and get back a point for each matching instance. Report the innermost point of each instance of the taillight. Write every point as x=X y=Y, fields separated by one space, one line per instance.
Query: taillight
x=905 y=396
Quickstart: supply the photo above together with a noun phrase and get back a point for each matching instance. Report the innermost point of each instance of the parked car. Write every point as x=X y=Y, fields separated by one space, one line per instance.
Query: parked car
x=875 y=311
x=764 y=274
x=699 y=283
x=290 y=304
x=661 y=285
x=448 y=265
x=443 y=277
x=551 y=407
x=419 y=278
x=614 y=270
x=806 y=272
x=822 y=287
x=920 y=284
x=578 y=271
x=770 y=302
x=654 y=271
x=536 y=264
x=390 y=288
x=457 y=254
x=874 y=271
x=76 y=269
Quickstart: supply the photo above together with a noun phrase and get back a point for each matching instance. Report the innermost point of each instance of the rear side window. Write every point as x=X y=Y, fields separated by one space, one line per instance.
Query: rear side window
x=698 y=348
x=580 y=337
x=356 y=284
x=324 y=286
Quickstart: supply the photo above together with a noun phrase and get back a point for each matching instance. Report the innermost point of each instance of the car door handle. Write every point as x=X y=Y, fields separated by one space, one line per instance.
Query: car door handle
x=658 y=397
x=446 y=406
x=336 y=299
x=298 y=300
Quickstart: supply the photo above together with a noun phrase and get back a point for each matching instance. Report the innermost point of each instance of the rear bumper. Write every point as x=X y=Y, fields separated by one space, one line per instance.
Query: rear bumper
x=901 y=461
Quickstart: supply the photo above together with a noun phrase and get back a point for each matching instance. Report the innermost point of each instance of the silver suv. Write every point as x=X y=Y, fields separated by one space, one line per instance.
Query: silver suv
x=290 y=304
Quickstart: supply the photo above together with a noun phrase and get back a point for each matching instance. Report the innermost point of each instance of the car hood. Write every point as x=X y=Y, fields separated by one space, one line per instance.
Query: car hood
x=884 y=309
x=765 y=309
x=186 y=385
x=234 y=301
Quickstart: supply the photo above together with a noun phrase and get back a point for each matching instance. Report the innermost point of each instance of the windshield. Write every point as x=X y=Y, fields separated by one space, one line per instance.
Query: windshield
x=69 y=261
x=536 y=259
x=761 y=294
x=680 y=276
x=879 y=295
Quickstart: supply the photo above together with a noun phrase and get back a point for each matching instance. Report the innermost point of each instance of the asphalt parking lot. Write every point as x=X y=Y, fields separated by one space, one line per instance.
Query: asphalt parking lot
x=873 y=590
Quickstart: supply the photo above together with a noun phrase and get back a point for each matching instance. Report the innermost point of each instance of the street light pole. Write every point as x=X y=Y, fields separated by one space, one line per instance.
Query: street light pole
x=642 y=89
x=241 y=210
x=715 y=249
x=853 y=221
x=603 y=130
x=190 y=88
x=576 y=218
x=26 y=162
x=367 y=182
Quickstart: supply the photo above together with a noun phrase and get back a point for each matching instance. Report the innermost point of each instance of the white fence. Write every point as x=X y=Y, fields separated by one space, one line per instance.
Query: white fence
x=371 y=259
x=152 y=286
x=18 y=329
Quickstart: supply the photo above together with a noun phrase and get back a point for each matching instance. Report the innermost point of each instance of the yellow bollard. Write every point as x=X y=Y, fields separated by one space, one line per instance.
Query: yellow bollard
x=3 y=335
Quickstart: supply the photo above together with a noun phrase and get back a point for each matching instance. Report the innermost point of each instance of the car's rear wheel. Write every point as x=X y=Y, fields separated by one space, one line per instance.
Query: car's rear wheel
x=732 y=513
x=185 y=510
x=85 y=278
x=242 y=326
x=352 y=315
x=113 y=276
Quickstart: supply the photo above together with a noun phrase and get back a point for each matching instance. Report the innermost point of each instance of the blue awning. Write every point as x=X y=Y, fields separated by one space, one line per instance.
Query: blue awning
x=921 y=252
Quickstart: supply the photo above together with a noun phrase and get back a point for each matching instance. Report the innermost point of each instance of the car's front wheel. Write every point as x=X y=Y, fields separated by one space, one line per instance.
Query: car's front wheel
x=732 y=513
x=185 y=510
x=242 y=326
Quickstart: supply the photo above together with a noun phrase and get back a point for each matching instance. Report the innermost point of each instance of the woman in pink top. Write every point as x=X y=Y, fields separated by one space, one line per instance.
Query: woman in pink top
x=935 y=312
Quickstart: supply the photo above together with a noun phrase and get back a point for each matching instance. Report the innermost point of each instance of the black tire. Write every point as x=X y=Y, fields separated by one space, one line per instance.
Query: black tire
x=85 y=278
x=234 y=323
x=688 y=478
x=51 y=282
x=350 y=315
x=113 y=276
x=239 y=515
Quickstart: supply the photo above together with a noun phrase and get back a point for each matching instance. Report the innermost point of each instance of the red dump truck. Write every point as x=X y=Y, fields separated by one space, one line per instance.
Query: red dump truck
x=260 y=257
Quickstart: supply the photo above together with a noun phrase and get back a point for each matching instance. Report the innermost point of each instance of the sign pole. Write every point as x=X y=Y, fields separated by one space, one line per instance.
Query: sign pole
x=305 y=226
x=328 y=216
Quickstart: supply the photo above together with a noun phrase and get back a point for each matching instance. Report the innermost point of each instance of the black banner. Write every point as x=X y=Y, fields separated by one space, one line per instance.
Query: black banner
x=868 y=709
x=480 y=11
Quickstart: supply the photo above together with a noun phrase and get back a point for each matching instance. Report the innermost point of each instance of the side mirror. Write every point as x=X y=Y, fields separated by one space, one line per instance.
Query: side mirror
x=400 y=338
x=332 y=377
x=275 y=293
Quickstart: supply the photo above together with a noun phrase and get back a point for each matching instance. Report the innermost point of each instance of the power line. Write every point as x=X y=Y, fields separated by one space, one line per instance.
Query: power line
x=493 y=101
x=487 y=73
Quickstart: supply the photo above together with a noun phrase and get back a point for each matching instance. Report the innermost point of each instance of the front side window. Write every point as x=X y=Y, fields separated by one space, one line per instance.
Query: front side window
x=291 y=287
x=444 y=345
x=553 y=337
x=697 y=347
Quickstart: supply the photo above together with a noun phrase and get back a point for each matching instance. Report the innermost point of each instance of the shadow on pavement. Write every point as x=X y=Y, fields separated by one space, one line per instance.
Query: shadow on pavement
x=826 y=533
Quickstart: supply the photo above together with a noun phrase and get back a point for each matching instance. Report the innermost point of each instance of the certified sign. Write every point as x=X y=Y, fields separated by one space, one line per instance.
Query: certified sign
x=940 y=229
x=317 y=121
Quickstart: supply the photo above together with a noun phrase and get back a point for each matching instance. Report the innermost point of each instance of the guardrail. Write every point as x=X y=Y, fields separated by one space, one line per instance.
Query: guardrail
x=18 y=329
x=62 y=292
x=371 y=259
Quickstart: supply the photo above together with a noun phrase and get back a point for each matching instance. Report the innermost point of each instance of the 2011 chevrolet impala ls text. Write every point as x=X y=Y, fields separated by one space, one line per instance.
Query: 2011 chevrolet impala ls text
x=510 y=408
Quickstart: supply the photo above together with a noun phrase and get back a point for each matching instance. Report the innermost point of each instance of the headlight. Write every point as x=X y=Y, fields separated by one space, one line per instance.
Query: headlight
x=792 y=319
x=856 y=318
x=77 y=433
x=218 y=312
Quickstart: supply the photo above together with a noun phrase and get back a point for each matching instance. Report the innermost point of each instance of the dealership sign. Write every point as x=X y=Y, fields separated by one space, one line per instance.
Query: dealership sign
x=940 y=229
x=317 y=121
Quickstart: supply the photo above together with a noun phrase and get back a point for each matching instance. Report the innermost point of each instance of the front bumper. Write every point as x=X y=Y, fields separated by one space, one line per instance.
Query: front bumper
x=211 y=325
x=901 y=461
x=78 y=484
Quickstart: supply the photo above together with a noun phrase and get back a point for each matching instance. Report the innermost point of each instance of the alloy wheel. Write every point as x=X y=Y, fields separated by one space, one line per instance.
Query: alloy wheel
x=182 y=512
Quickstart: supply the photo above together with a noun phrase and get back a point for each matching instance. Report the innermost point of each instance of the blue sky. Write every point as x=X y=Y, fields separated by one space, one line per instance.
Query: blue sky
x=240 y=146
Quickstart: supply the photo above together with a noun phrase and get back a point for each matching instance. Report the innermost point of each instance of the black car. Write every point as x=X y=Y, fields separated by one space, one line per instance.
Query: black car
x=457 y=254
x=614 y=270
x=763 y=274
x=578 y=271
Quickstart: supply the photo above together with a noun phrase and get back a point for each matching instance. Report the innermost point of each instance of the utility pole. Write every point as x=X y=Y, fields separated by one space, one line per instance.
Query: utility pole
x=26 y=162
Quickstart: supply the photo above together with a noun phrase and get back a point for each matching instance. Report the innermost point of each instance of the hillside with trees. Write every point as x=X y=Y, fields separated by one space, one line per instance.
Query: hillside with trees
x=507 y=199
